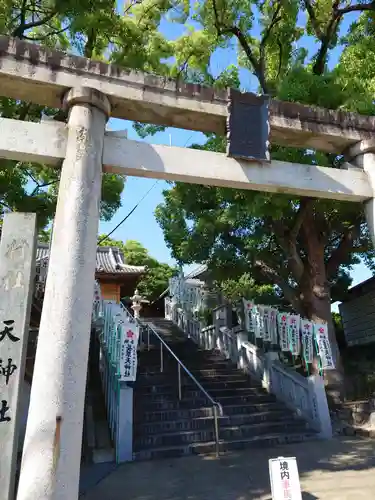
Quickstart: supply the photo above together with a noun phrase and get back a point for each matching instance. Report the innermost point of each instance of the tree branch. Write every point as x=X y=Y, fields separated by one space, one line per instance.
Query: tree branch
x=275 y=19
x=6 y=206
x=304 y=207
x=90 y=43
x=314 y=21
x=52 y=33
x=258 y=70
x=321 y=58
x=234 y=30
x=280 y=57
x=288 y=239
x=32 y=177
x=331 y=29
x=342 y=251
x=23 y=13
x=40 y=186
x=131 y=5
x=289 y=292
x=358 y=7
x=289 y=248
x=20 y=30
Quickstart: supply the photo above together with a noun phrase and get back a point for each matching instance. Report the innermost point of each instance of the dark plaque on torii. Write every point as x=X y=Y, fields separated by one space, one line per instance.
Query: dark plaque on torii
x=248 y=126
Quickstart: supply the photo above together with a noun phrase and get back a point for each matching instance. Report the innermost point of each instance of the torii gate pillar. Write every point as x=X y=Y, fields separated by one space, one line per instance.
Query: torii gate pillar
x=362 y=155
x=52 y=450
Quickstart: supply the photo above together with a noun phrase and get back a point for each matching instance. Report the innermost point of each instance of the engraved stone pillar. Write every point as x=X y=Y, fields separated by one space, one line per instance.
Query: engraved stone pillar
x=52 y=450
x=17 y=271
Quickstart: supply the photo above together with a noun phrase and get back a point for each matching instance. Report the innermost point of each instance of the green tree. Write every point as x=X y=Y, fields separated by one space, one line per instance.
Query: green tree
x=155 y=280
x=244 y=286
x=305 y=247
x=128 y=36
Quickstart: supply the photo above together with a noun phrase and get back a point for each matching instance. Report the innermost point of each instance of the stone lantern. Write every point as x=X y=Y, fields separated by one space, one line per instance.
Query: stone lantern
x=137 y=303
x=138 y=300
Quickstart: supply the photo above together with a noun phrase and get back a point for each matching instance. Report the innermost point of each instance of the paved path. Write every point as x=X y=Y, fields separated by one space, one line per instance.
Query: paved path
x=340 y=469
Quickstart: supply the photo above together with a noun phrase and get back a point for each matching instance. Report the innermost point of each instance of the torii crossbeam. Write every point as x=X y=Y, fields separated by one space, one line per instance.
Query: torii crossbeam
x=93 y=91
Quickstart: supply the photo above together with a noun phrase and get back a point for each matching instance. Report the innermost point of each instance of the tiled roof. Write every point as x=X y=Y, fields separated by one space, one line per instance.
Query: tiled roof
x=108 y=260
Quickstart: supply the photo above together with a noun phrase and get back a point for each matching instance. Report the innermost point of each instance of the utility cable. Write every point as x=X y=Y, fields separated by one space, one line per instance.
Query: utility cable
x=128 y=215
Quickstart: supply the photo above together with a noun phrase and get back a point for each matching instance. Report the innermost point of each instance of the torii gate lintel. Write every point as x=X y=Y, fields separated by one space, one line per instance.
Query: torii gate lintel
x=50 y=468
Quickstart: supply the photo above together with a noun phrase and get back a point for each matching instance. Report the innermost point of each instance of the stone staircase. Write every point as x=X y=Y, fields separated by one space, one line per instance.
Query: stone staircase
x=166 y=427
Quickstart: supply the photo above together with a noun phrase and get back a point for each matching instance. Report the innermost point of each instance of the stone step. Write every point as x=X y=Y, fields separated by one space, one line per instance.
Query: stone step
x=208 y=374
x=223 y=392
x=158 y=427
x=227 y=433
x=222 y=374
x=224 y=446
x=196 y=395
x=166 y=427
x=155 y=402
x=144 y=388
x=162 y=415
x=171 y=365
x=184 y=349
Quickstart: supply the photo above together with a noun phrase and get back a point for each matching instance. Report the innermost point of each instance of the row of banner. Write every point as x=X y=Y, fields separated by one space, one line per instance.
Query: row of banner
x=120 y=335
x=293 y=333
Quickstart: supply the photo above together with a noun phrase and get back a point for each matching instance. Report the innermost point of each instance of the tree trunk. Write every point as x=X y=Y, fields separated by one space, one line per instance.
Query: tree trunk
x=316 y=301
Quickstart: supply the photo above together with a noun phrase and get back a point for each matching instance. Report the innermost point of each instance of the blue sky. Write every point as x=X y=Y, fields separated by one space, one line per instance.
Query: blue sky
x=141 y=225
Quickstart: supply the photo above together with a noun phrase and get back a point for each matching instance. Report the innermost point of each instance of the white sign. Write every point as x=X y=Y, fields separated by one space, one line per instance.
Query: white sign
x=282 y=319
x=255 y=314
x=258 y=321
x=265 y=320
x=293 y=334
x=128 y=351
x=272 y=325
x=284 y=479
x=307 y=340
x=324 y=346
x=248 y=308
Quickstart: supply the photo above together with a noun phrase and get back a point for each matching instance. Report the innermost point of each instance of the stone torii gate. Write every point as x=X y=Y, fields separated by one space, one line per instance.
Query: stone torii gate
x=92 y=92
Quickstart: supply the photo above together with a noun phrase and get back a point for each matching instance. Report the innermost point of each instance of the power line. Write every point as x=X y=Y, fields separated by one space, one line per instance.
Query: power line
x=128 y=215
x=139 y=202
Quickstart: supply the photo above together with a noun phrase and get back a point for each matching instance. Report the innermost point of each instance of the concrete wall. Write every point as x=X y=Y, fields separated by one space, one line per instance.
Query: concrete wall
x=358 y=317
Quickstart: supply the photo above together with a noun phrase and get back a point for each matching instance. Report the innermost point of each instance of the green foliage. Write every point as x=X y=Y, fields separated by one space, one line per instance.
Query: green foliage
x=156 y=279
x=234 y=289
x=44 y=235
x=128 y=36
x=294 y=250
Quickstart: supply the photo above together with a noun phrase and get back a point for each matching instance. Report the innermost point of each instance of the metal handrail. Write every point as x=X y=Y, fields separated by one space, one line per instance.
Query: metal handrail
x=215 y=405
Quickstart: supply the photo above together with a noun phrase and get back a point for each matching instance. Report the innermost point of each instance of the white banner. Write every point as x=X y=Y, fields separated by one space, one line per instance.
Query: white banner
x=293 y=334
x=266 y=323
x=128 y=352
x=307 y=330
x=261 y=321
x=248 y=312
x=324 y=346
x=272 y=325
x=284 y=479
x=255 y=314
x=282 y=319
